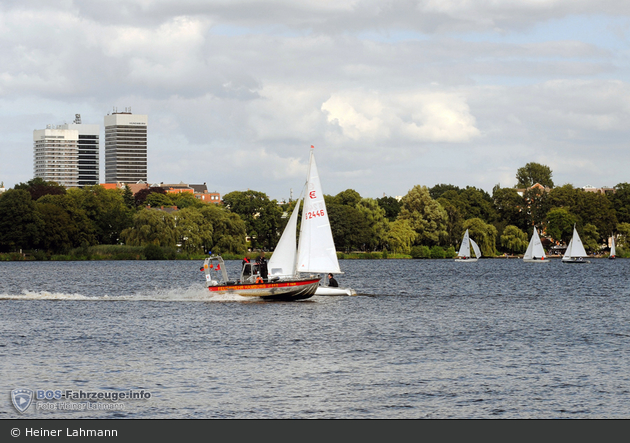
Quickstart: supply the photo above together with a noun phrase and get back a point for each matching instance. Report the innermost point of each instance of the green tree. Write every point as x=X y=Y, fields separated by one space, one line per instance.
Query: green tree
x=194 y=231
x=106 y=209
x=438 y=191
x=377 y=222
x=426 y=216
x=187 y=200
x=39 y=187
x=349 y=197
x=228 y=230
x=484 y=234
x=533 y=173
x=57 y=226
x=620 y=200
x=514 y=240
x=391 y=206
x=590 y=238
x=81 y=230
x=158 y=200
x=349 y=227
x=128 y=198
x=401 y=236
x=151 y=226
x=21 y=225
x=454 y=222
x=623 y=230
x=510 y=207
x=261 y=215
x=142 y=194
x=559 y=225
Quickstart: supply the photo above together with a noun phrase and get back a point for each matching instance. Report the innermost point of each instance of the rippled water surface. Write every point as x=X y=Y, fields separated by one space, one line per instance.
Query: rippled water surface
x=422 y=339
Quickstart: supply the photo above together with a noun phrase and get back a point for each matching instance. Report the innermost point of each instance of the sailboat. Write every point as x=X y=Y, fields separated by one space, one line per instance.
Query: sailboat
x=464 y=250
x=613 y=251
x=316 y=252
x=575 y=252
x=535 y=252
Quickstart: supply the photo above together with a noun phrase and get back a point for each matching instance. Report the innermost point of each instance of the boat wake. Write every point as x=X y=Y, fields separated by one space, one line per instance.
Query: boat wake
x=192 y=294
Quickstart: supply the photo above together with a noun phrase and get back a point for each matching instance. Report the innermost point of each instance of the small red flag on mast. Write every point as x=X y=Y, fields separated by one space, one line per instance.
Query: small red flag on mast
x=312 y=147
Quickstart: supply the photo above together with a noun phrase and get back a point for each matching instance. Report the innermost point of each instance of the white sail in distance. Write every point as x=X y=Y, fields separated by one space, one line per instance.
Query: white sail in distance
x=282 y=261
x=475 y=248
x=575 y=248
x=316 y=248
x=535 y=248
x=464 y=250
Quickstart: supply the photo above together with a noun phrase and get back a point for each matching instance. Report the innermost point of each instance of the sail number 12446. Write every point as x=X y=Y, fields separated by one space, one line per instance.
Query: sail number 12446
x=313 y=214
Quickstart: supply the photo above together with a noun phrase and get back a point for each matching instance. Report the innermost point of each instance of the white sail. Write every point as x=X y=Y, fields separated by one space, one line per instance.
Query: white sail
x=577 y=249
x=464 y=249
x=316 y=248
x=535 y=248
x=475 y=248
x=282 y=262
x=613 y=251
x=530 y=248
x=567 y=253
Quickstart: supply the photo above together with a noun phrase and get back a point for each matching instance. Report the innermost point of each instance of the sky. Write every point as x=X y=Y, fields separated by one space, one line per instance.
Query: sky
x=391 y=94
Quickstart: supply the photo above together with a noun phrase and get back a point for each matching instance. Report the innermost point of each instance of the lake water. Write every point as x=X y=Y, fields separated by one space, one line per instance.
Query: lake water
x=422 y=339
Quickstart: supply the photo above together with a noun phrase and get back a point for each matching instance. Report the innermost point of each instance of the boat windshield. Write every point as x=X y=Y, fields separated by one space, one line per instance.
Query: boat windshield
x=249 y=273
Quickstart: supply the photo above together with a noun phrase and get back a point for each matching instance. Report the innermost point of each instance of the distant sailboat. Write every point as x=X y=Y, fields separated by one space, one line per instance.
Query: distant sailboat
x=535 y=252
x=613 y=251
x=575 y=252
x=464 y=250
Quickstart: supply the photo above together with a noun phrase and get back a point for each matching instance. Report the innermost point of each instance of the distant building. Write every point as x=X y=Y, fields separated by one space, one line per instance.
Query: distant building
x=88 y=155
x=176 y=188
x=125 y=147
x=2 y=188
x=56 y=155
x=67 y=154
x=602 y=190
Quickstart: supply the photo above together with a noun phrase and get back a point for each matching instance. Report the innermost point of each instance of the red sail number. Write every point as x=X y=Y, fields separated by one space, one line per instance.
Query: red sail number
x=313 y=214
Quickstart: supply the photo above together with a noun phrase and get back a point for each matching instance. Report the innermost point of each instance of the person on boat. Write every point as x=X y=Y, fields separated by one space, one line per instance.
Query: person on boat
x=244 y=262
x=332 y=282
x=262 y=265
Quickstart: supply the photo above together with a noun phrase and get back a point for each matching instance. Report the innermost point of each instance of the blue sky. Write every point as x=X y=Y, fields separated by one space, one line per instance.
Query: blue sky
x=392 y=94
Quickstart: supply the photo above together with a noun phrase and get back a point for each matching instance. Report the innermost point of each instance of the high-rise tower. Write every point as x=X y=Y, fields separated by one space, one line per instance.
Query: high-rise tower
x=125 y=147
x=56 y=155
x=67 y=154
x=88 y=151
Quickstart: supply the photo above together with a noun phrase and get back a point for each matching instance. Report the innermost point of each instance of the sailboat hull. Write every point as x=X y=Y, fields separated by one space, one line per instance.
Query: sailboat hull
x=574 y=260
x=328 y=291
x=535 y=260
x=280 y=290
x=465 y=260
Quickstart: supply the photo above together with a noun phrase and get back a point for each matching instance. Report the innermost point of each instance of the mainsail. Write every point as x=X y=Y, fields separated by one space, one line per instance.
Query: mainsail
x=535 y=248
x=575 y=248
x=282 y=262
x=316 y=248
x=464 y=250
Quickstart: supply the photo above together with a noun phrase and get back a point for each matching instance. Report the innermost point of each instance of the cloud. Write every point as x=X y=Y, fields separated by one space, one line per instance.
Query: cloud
x=409 y=117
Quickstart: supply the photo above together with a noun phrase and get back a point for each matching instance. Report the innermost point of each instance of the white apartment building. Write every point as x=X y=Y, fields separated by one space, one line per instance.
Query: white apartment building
x=67 y=154
x=56 y=155
x=125 y=147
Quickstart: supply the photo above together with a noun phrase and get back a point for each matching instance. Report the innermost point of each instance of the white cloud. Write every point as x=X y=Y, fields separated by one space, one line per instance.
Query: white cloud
x=407 y=117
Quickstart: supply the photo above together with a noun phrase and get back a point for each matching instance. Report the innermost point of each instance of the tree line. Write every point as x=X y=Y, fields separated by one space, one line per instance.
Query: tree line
x=44 y=216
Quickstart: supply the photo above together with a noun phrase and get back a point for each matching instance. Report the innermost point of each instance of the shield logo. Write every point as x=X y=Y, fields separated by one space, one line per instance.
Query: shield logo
x=22 y=399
